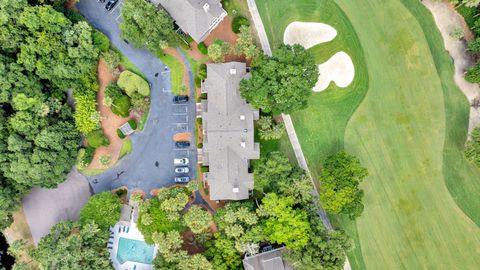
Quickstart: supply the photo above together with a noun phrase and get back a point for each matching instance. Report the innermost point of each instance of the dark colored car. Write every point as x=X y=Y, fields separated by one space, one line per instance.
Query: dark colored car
x=180 y=99
x=110 y=4
x=182 y=144
x=183 y=179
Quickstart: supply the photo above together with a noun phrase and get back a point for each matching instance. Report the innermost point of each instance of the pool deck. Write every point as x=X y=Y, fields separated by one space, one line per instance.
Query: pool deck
x=134 y=234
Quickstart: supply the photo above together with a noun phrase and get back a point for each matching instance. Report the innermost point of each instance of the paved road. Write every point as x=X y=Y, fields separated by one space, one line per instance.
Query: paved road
x=44 y=207
x=150 y=165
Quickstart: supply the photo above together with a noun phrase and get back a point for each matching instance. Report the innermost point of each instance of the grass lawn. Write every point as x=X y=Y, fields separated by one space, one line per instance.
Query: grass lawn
x=420 y=209
x=126 y=148
x=176 y=71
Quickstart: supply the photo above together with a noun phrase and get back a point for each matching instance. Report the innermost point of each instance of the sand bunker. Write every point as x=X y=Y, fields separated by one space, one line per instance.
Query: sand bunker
x=339 y=68
x=308 y=34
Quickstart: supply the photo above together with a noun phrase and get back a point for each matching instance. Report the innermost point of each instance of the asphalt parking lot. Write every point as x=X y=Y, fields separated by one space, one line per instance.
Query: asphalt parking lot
x=150 y=165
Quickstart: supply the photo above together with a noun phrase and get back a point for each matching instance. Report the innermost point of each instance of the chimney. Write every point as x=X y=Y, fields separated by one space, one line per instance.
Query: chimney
x=233 y=71
x=242 y=117
x=236 y=190
x=242 y=144
x=206 y=7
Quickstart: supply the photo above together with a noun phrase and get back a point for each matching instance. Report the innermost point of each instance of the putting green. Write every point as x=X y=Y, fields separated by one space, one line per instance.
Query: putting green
x=408 y=131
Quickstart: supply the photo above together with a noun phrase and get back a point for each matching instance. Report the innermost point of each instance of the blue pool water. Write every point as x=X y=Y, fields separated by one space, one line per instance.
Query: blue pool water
x=134 y=251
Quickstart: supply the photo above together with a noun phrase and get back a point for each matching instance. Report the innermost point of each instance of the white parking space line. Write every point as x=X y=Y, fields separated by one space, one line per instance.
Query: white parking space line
x=116 y=6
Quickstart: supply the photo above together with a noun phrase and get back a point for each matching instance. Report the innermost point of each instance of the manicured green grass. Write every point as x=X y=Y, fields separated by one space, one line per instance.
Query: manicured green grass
x=409 y=132
x=126 y=148
x=176 y=71
x=143 y=121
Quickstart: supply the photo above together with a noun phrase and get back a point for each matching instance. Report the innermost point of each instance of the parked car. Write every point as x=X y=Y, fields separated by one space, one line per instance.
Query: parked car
x=180 y=99
x=110 y=4
x=182 y=170
x=182 y=144
x=180 y=161
x=183 y=179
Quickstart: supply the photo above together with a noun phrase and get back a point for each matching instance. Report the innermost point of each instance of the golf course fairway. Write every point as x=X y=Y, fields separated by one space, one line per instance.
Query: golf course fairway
x=405 y=119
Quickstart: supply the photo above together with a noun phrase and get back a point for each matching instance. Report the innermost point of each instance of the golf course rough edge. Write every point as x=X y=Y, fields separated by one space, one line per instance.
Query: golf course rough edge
x=308 y=34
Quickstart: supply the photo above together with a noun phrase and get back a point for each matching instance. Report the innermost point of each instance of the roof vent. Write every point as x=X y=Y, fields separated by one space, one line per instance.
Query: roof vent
x=236 y=190
x=206 y=7
x=243 y=144
x=242 y=117
x=245 y=130
x=233 y=71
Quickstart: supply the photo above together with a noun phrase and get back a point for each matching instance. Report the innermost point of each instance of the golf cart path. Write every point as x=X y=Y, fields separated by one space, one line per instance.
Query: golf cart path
x=447 y=19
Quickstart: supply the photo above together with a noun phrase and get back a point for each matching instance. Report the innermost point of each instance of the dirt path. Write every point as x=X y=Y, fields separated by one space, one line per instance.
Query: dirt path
x=447 y=19
x=110 y=121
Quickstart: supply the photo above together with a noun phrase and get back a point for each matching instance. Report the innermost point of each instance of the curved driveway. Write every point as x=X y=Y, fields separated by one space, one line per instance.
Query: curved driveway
x=150 y=165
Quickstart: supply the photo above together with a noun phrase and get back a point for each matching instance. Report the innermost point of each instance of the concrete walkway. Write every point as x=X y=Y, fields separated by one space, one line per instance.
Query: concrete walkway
x=292 y=135
x=447 y=19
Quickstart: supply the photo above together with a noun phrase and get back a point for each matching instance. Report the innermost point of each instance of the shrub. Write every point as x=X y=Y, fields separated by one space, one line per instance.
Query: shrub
x=473 y=74
x=200 y=145
x=204 y=169
x=102 y=208
x=112 y=59
x=140 y=103
x=87 y=119
x=218 y=49
x=132 y=123
x=199 y=121
x=269 y=130
x=237 y=22
x=120 y=134
x=472 y=147
x=121 y=106
x=113 y=91
x=202 y=48
x=96 y=139
x=84 y=157
x=202 y=71
x=100 y=41
x=132 y=83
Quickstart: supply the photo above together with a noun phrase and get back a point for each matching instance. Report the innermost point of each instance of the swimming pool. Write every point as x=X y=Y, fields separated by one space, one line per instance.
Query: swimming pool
x=134 y=251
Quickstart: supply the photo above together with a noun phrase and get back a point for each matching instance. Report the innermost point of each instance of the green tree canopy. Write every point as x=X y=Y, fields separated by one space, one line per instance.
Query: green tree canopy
x=340 y=180
x=284 y=224
x=325 y=249
x=103 y=209
x=146 y=26
x=283 y=82
x=70 y=246
x=198 y=219
x=152 y=219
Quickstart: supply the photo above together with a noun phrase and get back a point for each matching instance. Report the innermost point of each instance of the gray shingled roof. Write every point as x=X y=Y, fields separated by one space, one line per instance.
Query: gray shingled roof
x=228 y=142
x=194 y=17
x=270 y=260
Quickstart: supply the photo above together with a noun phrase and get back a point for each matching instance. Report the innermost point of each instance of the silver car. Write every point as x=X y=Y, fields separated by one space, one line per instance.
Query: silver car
x=183 y=179
x=181 y=170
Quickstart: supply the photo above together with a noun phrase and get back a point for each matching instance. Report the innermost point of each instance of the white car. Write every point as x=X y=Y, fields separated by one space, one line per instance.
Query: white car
x=180 y=161
x=181 y=170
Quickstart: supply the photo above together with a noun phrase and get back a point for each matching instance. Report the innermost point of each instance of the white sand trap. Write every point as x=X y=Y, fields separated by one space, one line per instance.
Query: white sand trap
x=339 y=68
x=308 y=34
